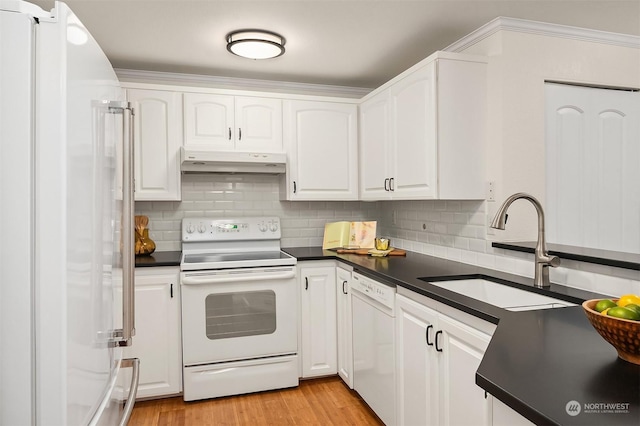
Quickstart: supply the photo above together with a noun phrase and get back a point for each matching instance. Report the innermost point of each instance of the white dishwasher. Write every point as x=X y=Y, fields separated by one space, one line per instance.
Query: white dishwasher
x=374 y=375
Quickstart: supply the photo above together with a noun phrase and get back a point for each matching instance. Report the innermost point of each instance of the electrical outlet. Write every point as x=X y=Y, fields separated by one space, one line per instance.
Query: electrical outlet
x=394 y=217
x=491 y=190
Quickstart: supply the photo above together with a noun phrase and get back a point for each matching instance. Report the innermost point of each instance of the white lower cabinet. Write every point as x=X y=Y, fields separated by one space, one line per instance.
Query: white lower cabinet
x=438 y=350
x=157 y=342
x=504 y=415
x=344 y=319
x=318 y=349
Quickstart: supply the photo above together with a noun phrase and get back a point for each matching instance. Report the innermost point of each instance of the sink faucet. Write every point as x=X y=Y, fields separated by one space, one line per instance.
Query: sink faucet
x=542 y=258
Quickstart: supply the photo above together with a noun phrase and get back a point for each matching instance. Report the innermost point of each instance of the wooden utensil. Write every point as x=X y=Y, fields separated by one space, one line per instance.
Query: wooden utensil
x=395 y=252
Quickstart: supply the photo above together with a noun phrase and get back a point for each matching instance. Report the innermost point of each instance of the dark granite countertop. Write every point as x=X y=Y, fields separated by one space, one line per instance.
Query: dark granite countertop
x=582 y=254
x=159 y=258
x=537 y=361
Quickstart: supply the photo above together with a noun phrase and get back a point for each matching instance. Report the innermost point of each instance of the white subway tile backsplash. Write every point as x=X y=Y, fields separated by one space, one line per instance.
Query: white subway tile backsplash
x=477 y=245
x=469 y=257
x=486 y=260
x=455 y=230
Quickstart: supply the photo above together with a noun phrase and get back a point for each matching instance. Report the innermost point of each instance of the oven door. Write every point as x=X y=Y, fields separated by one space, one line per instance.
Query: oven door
x=235 y=314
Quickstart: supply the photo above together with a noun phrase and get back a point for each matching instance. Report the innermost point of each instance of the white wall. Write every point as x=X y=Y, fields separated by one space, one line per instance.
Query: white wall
x=456 y=230
x=519 y=65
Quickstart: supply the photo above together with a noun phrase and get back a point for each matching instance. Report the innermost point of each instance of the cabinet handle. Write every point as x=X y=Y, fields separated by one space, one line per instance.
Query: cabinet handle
x=436 y=341
x=386 y=184
x=306 y=283
x=229 y=133
x=171 y=291
x=391 y=186
x=294 y=187
x=344 y=284
x=427 y=335
x=239 y=133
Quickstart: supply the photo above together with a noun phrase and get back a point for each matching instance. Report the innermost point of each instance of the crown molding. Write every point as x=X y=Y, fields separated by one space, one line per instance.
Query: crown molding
x=231 y=83
x=502 y=23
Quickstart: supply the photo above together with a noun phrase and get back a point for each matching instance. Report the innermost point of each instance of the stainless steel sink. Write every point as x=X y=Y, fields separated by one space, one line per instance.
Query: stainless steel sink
x=502 y=296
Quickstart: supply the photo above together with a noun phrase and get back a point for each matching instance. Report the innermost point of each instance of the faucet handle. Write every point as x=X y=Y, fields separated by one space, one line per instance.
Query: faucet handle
x=549 y=260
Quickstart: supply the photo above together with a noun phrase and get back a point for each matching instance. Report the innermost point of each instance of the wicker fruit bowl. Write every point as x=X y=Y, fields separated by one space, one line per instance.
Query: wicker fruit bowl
x=622 y=334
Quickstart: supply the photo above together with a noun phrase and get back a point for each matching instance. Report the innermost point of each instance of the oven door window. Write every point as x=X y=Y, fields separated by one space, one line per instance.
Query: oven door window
x=240 y=314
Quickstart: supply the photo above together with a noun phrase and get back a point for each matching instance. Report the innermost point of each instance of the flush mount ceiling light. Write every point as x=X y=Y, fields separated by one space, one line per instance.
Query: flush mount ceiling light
x=255 y=44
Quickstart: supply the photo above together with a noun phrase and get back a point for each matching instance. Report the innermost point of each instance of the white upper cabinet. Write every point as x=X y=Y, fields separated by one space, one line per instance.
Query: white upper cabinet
x=423 y=134
x=232 y=123
x=321 y=143
x=375 y=147
x=413 y=135
x=157 y=142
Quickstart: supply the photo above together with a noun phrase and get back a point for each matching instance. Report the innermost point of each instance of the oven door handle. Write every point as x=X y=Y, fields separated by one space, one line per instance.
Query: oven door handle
x=213 y=279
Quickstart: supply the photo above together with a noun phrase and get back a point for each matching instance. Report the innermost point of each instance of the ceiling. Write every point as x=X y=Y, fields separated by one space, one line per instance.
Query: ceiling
x=355 y=43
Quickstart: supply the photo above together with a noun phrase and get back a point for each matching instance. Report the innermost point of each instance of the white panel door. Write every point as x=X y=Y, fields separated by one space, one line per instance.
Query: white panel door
x=157 y=342
x=413 y=135
x=157 y=142
x=593 y=177
x=318 y=321
x=417 y=363
x=374 y=148
x=461 y=348
x=258 y=124
x=209 y=122
x=344 y=326
x=321 y=140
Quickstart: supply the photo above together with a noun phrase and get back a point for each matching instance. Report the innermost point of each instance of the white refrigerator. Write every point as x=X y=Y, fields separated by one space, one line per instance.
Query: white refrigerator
x=66 y=231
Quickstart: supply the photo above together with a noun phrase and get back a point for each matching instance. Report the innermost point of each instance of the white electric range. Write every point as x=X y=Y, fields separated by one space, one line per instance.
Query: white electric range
x=239 y=316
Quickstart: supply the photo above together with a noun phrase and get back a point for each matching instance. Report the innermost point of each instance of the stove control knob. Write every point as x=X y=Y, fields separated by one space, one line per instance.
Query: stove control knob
x=202 y=228
x=262 y=227
x=190 y=228
x=273 y=227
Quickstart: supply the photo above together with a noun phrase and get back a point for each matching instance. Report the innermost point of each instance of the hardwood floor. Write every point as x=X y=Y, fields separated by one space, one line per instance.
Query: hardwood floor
x=325 y=401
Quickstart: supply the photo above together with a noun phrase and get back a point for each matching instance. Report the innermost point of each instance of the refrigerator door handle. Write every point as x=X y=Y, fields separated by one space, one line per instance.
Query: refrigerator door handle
x=133 y=389
x=128 y=261
x=128 y=257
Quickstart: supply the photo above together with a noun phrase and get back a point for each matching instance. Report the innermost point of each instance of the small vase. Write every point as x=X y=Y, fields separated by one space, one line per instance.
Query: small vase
x=144 y=245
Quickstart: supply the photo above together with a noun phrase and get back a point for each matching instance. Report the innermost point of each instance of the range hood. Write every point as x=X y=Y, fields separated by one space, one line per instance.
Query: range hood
x=232 y=162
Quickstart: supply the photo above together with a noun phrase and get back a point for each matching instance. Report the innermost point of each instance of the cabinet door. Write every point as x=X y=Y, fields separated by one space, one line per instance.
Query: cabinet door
x=258 y=124
x=417 y=363
x=157 y=342
x=375 y=173
x=345 y=344
x=462 y=401
x=321 y=140
x=504 y=415
x=157 y=142
x=413 y=135
x=209 y=122
x=318 y=321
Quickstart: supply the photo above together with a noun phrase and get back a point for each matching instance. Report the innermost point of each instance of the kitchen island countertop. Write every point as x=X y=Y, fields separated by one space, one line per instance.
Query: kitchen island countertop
x=538 y=362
